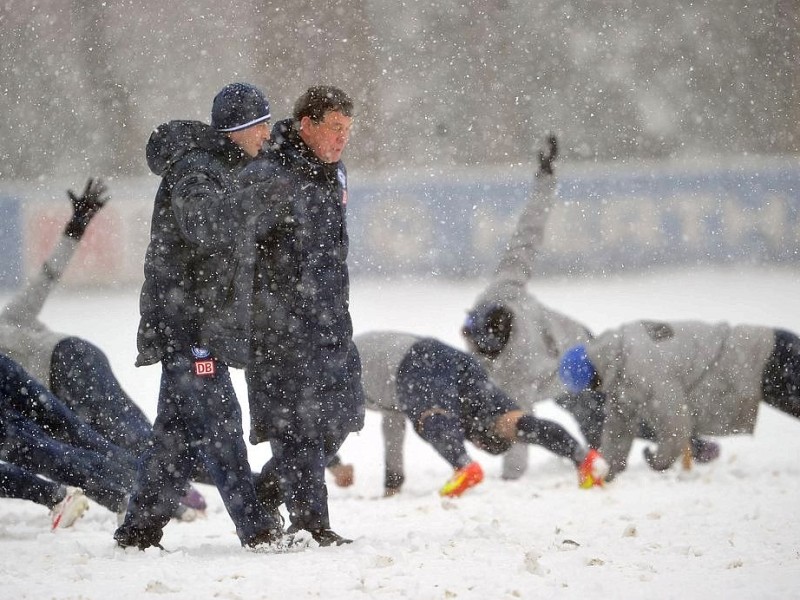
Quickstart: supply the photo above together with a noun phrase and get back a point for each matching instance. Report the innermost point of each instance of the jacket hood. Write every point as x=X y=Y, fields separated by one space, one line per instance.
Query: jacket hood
x=607 y=353
x=172 y=141
x=286 y=137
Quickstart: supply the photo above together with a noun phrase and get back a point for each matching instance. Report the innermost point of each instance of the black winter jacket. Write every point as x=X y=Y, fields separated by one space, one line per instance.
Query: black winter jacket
x=306 y=374
x=198 y=248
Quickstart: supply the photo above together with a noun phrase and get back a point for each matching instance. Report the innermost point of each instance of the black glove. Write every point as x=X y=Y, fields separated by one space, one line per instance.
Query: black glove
x=85 y=207
x=548 y=154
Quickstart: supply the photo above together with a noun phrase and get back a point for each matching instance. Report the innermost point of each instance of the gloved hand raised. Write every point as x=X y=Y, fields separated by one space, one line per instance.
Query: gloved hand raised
x=85 y=207
x=547 y=155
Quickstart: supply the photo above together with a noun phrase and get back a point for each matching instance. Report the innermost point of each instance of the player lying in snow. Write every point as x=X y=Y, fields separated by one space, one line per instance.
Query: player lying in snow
x=519 y=340
x=40 y=435
x=448 y=398
x=66 y=503
x=74 y=369
x=681 y=379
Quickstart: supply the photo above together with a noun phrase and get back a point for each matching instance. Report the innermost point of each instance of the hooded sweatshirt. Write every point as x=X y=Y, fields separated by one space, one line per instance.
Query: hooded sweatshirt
x=680 y=378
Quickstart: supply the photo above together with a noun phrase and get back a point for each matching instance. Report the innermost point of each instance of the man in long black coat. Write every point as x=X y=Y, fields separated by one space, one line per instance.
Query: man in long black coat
x=305 y=379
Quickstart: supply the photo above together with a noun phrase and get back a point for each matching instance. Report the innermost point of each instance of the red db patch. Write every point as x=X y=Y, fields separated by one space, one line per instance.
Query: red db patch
x=205 y=367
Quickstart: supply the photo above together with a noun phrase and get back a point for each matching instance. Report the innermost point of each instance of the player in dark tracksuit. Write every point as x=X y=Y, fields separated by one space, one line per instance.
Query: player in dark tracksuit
x=448 y=398
x=74 y=369
x=41 y=435
x=88 y=397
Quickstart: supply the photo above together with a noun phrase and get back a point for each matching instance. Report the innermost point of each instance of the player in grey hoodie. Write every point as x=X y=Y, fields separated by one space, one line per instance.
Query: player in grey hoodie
x=520 y=340
x=683 y=379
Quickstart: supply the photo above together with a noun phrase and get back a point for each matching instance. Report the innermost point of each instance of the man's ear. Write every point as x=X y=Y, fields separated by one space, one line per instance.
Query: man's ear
x=305 y=122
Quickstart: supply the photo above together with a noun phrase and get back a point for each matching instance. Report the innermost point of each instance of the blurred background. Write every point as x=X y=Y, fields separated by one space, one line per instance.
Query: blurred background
x=448 y=81
x=702 y=97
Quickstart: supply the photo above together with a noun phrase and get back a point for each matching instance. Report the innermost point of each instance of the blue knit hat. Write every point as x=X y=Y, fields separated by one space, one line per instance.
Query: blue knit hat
x=239 y=106
x=576 y=370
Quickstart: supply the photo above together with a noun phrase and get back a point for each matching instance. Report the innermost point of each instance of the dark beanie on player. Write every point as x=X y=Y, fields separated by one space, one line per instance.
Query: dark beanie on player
x=239 y=106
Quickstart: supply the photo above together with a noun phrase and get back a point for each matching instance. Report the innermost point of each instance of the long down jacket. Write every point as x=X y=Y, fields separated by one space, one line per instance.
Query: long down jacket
x=305 y=378
x=200 y=245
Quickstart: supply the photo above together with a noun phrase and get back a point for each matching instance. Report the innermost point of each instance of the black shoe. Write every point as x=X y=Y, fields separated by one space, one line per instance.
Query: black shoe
x=328 y=537
x=266 y=537
x=704 y=451
x=268 y=494
x=275 y=517
x=138 y=538
x=324 y=537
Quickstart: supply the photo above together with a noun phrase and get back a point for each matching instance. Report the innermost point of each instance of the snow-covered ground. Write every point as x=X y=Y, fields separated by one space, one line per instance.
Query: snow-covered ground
x=730 y=529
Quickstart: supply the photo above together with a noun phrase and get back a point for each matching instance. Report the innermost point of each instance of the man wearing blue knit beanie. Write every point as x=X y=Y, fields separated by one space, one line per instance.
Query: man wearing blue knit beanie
x=238 y=106
x=195 y=320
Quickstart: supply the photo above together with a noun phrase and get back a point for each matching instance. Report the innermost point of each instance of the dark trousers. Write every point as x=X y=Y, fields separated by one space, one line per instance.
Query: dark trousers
x=199 y=419
x=436 y=378
x=29 y=398
x=40 y=434
x=81 y=377
x=588 y=409
x=24 y=485
x=298 y=465
x=448 y=396
x=781 y=383
x=28 y=446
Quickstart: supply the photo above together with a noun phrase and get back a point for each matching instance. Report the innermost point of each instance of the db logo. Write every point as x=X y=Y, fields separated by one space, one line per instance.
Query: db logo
x=205 y=368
